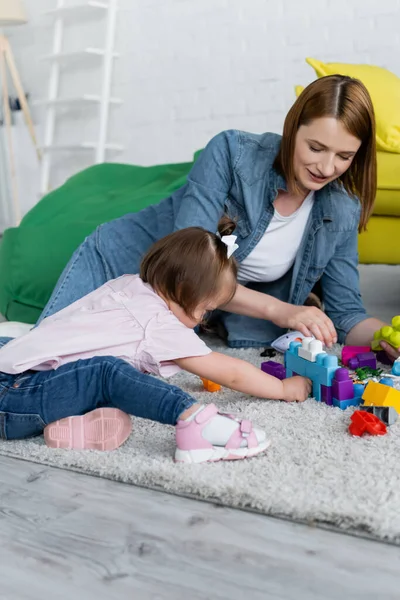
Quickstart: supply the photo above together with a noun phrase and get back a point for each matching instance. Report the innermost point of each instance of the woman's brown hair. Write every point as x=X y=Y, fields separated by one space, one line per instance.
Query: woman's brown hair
x=187 y=266
x=347 y=100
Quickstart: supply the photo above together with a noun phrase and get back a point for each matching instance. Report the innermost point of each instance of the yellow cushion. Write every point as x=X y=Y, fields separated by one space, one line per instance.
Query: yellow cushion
x=388 y=170
x=388 y=193
x=379 y=245
x=384 y=88
x=387 y=203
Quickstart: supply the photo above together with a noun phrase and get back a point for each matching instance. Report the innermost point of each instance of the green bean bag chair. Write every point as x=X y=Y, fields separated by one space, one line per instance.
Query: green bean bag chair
x=33 y=255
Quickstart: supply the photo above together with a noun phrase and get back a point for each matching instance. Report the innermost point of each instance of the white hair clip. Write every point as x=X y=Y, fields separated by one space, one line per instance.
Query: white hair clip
x=230 y=243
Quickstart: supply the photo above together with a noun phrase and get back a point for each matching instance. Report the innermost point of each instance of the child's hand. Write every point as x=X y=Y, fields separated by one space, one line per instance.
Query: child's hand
x=296 y=389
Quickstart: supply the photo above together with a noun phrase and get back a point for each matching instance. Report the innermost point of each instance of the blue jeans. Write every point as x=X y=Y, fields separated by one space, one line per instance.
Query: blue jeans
x=32 y=400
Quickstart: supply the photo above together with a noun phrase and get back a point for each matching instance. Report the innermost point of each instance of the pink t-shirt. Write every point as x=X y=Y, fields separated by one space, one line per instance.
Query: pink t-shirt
x=123 y=318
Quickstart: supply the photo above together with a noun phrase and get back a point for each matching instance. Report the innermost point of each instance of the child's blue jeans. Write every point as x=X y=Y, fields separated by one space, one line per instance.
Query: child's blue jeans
x=32 y=400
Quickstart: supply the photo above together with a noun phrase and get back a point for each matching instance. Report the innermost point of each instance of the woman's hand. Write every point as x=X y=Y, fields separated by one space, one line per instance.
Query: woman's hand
x=309 y=320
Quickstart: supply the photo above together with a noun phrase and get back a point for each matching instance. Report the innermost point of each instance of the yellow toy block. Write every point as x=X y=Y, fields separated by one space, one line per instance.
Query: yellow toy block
x=391 y=335
x=210 y=386
x=378 y=394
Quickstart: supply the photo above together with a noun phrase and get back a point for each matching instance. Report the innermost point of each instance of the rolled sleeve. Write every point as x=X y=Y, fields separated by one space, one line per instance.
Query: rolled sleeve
x=208 y=183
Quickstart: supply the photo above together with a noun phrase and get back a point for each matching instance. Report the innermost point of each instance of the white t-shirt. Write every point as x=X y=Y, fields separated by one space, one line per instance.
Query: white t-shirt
x=276 y=251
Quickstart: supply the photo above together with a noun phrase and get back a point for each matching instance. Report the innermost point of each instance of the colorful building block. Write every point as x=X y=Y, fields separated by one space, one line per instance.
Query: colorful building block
x=310 y=348
x=343 y=404
x=387 y=414
x=342 y=385
x=351 y=351
x=320 y=372
x=391 y=335
x=386 y=381
x=396 y=367
x=377 y=394
x=363 y=422
x=383 y=358
x=210 y=386
x=274 y=368
x=358 y=390
x=365 y=359
x=326 y=395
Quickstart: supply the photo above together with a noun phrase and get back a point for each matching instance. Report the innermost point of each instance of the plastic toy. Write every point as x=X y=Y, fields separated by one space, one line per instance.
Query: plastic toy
x=351 y=351
x=282 y=343
x=383 y=358
x=343 y=390
x=364 y=422
x=210 y=386
x=365 y=372
x=391 y=335
x=362 y=360
x=268 y=352
x=386 y=381
x=274 y=368
x=310 y=348
x=396 y=367
x=387 y=414
x=378 y=394
x=342 y=385
x=321 y=372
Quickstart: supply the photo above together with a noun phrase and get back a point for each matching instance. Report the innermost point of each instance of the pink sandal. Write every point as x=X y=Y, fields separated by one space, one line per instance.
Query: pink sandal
x=100 y=429
x=193 y=448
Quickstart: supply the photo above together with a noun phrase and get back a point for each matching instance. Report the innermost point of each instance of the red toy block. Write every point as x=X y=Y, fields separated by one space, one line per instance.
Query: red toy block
x=363 y=422
x=351 y=351
x=365 y=359
x=274 y=368
x=342 y=385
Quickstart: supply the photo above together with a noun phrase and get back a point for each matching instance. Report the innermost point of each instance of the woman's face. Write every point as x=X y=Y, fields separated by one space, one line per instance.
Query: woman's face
x=324 y=150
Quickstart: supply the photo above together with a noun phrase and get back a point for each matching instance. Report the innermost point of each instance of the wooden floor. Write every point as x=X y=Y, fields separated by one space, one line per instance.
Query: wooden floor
x=70 y=536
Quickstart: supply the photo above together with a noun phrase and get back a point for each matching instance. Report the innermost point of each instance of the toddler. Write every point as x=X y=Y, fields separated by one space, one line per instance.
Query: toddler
x=81 y=373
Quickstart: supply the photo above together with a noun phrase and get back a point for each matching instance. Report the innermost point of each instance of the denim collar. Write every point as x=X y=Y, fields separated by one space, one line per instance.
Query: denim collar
x=323 y=209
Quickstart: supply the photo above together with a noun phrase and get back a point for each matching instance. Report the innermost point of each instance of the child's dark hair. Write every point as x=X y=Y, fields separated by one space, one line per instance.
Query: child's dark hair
x=186 y=266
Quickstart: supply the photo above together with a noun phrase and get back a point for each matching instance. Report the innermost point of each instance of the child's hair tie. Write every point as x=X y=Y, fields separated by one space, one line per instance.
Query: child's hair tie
x=230 y=243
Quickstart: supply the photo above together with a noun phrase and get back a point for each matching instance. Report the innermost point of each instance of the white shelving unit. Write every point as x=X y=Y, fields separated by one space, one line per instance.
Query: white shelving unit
x=65 y=15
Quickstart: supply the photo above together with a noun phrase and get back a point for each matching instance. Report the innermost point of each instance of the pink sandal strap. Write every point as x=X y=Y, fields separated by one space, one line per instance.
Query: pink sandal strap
x=206 y=414
x=244 y=432
x=189 y=433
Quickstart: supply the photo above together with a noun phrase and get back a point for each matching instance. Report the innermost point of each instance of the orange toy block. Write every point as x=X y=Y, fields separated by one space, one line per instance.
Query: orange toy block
x=210 y=386
x=378 y=394
x=391 y=335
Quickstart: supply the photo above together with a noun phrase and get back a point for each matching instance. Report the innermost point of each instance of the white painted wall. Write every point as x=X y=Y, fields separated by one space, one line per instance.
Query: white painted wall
x=191 y=68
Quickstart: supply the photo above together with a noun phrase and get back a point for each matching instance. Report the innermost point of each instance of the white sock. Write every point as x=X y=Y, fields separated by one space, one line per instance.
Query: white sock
x=220 y=428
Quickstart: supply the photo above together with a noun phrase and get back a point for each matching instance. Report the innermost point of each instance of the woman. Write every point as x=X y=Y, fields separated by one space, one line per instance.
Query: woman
x=298 y=202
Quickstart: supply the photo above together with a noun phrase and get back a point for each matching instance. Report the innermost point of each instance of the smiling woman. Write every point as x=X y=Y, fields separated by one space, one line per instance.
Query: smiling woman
x=297 y=200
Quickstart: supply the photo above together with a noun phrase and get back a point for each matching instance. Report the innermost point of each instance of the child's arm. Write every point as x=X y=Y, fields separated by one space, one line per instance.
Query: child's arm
x=242 y=376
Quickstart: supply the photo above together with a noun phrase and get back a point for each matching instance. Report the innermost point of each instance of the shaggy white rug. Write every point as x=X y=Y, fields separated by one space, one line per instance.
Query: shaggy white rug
x=314 y=471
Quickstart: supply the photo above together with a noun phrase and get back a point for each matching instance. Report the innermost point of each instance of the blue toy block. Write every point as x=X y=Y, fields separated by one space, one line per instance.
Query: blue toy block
x=343 y=404
x=358 y=390
x=386 y=381
x=321 y=372
x=396 y=367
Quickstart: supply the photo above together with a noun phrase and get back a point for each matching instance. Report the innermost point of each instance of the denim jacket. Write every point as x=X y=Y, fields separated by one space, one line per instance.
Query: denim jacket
x=234 y=174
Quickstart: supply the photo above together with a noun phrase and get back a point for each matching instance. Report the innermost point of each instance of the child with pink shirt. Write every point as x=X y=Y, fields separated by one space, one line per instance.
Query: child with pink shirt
x=81 y=373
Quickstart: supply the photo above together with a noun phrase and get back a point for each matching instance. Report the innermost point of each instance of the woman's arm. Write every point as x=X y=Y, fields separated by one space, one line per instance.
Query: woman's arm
x=208 y=184
x=308 y=319
x=242 y=376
